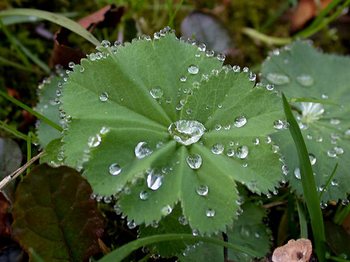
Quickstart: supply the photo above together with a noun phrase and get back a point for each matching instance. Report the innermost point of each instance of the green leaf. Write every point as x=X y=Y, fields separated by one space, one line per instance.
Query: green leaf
x=140 y=94
x=301 y=71
x=174 y=223
x=248 y=231
x=55 y=217
x=48 y=106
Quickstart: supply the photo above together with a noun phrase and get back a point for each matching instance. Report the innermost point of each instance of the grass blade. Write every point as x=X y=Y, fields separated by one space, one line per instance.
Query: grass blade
x=122 y=252
x=308 y=182
x=13 y=131
x=55 y=18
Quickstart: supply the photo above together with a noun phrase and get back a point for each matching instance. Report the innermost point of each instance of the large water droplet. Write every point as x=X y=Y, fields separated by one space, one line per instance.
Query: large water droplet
x=194 y=161
x=156 y=92
x=202 y=190
x=103 y=96
x=210 y=212
x=115 y=169
x=144 y=195
x=242 y=152
x=217 y=149
x=154 y=179
x=186 y=132
x=331 y=153
x=94 y=141
x=338 y=150
x=142 y=150
x=240 y=121
x=166 y=210
x=131 y=224
x=277 y=79
x=278 y=124
x=193 y=69
x=297 y=173
x=305 y=80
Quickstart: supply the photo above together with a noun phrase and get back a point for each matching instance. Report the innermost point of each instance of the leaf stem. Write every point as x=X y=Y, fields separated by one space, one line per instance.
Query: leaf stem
x=13 y=131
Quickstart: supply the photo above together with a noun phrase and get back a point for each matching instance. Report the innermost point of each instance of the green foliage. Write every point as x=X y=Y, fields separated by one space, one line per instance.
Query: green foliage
x=248 y=230
x=139 y=98
x=300 y=71
x=55 y=216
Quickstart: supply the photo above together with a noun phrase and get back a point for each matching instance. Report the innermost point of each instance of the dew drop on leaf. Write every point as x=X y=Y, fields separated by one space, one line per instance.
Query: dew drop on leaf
x=131 y=224
x=278 y=124
x=221 y=57
x=285 y=170
x=154 y=180
x=334 y=121
x=331 y=153
x=312 y=159
x=186 y=132
x=334 y=182
x=297 y=173
x=305 y=80
x=236 y=68
x=195 y=232
x=182 y=220
x=144 y=195
x=142 y=150
x=252 y=77
x=217 y=149
x=210 y=212
x=115 y=169
x=194 y=161
x=242 y=152
x=166 y=210
x=230 y=152
x=277 y=79
x=103 y=96
x=256 y=141
x=270 y=87
x=202 y=47
x=156 y=92
x=240 y=121
x=94 y=141
x=105 y=43
x=202 y=190
x=183 y=79
x=338 y=150
x=104 y=130
x=193 y=69
x=209 y=53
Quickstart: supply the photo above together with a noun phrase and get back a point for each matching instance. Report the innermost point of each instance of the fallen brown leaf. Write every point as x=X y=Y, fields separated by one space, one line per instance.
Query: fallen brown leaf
x=294 y=251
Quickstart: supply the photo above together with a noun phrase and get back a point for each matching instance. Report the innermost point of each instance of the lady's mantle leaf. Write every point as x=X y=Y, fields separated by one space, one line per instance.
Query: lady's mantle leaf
x=301 y=71
x=157 y=122
x=55 y=216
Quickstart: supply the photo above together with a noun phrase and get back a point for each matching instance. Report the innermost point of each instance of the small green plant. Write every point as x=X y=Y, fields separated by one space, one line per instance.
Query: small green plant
x=182 y=147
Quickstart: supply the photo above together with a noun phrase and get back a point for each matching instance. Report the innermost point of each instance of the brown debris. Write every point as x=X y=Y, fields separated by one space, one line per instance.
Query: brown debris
x=294 y=251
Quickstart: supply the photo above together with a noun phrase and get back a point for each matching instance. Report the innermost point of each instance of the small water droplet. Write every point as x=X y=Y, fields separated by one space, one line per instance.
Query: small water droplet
x=202 y=190
x=334 y=121
x=209 y=53
x=144 y=195
x=240 y=121
x=256 y=141
x=305 y=80
x=104 y=130
x=277 y=79
x=202 y=47
x=105 y=43
x=312 y=159
x=156 y=35
x=331 y=153
x=270 y=87
x=242 y=152
x=71 y=64
x=156 y=92
x=166 y=210
x=217 y=149
x=142 y=150
x=285 y=170
x=324 y=96
x=94 y=141
x=338 y=150
x=131 y=224
x=193 y=69
x=334 y=182
x=154 y=179
x=297 y=173
x=218 y=127
x=268 y=140
x=194 y=161
x=236 y=69
x=252 y=77
x=115 y=169
x=103 y=96
x=230 y=152
x=186 y=132
x=182 y=220
x=195 y=232
x=278 y=124
x=221 y=57
x=183 y=79
x=245 y=69
x=210 y=212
